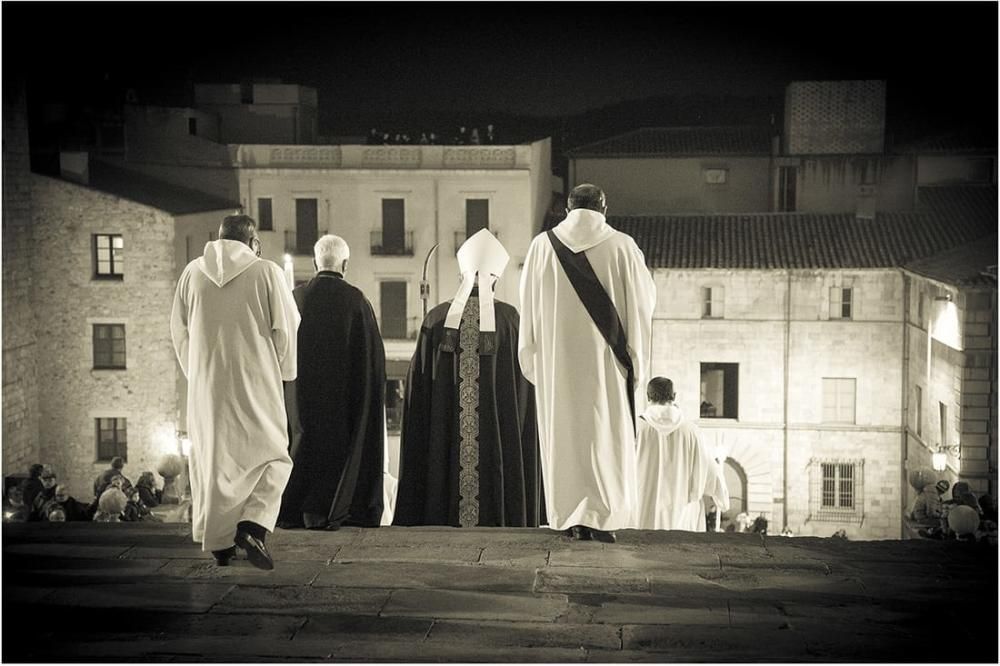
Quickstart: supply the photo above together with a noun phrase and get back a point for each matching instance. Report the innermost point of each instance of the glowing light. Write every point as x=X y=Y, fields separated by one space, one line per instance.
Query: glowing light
x=186 y=446
x=164 y=438
x=939 y=460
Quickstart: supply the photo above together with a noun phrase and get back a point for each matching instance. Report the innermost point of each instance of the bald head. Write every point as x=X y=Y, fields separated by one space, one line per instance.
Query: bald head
x=331 y=253
x=587 y=196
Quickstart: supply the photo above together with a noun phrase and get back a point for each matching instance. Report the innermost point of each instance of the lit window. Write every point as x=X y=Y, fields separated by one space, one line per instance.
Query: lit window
x=109 y=346
x=719 y=390
x=109 y=258
x=838 y=399
x=712 y=301
x=841 y=303
x=112 y=438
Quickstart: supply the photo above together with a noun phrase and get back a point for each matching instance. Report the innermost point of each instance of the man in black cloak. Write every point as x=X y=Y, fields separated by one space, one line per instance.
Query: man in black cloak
x=469 y=444
x=340 y=395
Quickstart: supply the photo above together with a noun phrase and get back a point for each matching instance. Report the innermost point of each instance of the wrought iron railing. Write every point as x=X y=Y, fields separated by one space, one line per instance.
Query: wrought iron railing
x=392 y=244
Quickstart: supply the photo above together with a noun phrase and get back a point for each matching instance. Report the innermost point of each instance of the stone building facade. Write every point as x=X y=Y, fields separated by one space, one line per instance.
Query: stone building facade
x=97 y=403
x=20 y=344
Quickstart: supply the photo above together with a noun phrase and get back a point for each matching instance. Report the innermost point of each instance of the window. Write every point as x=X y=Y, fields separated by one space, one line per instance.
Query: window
x=838 y=399
x=393 y=226
x=193 y=126
x=477 y=215
x=393 y=307
x=719 y=390
x=838 y=486
x=265 y=222
x=109 y=346
x=716 y=176
x=712 y=299
x=841 y=303
x=786 y=188
x=837 y=491
x=918 y=410
x=109 y=259
x=112 y=438
x=306 y=225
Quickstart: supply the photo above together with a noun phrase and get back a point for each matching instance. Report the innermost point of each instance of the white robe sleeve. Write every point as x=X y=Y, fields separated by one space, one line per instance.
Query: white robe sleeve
x=179 y=324
x=640 y=305
x=284 y=324
x=526 y=345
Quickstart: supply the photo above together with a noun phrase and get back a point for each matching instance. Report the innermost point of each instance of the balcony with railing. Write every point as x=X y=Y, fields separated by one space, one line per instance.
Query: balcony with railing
x=394 y=244
x=381 y=157
x=301 y=244
x=462 y=236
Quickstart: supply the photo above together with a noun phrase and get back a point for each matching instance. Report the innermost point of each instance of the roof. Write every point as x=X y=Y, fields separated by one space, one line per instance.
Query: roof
x=967 y=264
x=955 y=142
x=681 y=142
x=150 y=191
x=811 y=240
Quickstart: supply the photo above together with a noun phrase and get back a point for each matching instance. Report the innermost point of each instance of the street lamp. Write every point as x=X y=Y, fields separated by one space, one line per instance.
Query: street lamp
x=939 y=459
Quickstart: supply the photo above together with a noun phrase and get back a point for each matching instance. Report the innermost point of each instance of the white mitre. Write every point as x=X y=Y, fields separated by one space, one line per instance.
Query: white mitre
x=481 y=255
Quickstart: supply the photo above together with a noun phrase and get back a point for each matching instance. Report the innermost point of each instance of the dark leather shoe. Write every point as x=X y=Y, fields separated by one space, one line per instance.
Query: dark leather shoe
x=602 y=536
x=256 y=550
x=314 y=521
x=580 y=532
x=223 y=557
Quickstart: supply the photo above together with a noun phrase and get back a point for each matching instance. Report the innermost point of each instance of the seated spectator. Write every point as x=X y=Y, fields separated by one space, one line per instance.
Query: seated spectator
x=474 y=137
x=47 y=493
x=148 y=492
x=53 y=512
x=32 y=486
x=490 y=138
x=135 y=510
x=433 y=138
x=73 y=508
x=927 y=505
x=423 y=140
x=405 y=140
x=374 y=137
x=110 y=506
x=386 y=139
x=14 y=510
x=462 y=138
x=104 y=478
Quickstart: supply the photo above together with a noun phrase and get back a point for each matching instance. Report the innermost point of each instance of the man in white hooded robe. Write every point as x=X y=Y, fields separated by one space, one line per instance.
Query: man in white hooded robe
x=586 y=408
x=676 y=469
x=234 y=325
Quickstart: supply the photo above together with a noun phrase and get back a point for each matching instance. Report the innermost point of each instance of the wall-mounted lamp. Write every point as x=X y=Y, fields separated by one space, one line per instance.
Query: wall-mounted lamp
x=939 y=459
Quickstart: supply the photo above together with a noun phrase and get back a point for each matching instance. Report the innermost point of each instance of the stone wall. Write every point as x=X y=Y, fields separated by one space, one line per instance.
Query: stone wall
x=20 y=348
x=69 y=301
x=752 y=334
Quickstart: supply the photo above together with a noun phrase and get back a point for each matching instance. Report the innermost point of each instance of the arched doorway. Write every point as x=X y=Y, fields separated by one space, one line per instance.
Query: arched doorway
x=736 y=482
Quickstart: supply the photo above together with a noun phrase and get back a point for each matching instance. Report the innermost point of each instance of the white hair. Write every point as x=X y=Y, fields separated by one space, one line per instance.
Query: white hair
x=331 y=252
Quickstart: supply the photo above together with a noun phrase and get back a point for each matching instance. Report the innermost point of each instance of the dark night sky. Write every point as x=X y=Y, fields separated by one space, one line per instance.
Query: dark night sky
x=517 y=58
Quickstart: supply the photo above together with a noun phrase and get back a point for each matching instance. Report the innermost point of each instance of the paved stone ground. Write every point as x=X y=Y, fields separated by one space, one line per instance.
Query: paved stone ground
x=143 y=592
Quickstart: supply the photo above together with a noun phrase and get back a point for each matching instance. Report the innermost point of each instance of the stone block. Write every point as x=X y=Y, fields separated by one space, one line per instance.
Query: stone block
x=456 y=604
x=488 y=635
x=190 y=598
x=438 y=575
x=514 y=556
x=591 y=580
x=405 y=553
x=659 y=611
x=302 y=600
x=241 y=572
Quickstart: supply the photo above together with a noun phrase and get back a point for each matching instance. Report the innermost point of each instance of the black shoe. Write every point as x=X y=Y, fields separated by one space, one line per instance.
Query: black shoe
x=256 y=550
x=223 y=557
x=580 y=533
x=602 y=536
x=314 y=521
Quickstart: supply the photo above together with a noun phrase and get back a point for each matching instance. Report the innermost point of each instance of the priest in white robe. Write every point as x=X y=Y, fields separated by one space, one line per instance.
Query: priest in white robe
x=582 y=367
x=676 y=469
x=234 y=325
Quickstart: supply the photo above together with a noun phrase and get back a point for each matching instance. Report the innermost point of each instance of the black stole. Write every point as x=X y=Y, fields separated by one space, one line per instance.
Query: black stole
x=600 y=308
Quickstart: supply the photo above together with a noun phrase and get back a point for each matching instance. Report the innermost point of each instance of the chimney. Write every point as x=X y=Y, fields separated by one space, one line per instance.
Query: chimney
x=75 y=166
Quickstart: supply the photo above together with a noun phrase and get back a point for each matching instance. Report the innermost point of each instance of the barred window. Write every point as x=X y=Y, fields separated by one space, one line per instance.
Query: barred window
x=109 y=346
x=837 y=491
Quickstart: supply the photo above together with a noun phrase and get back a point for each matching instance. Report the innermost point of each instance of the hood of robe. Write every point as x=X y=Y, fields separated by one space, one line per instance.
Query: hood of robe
x=224 y=260
x=583 y=229
x=665 y=418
